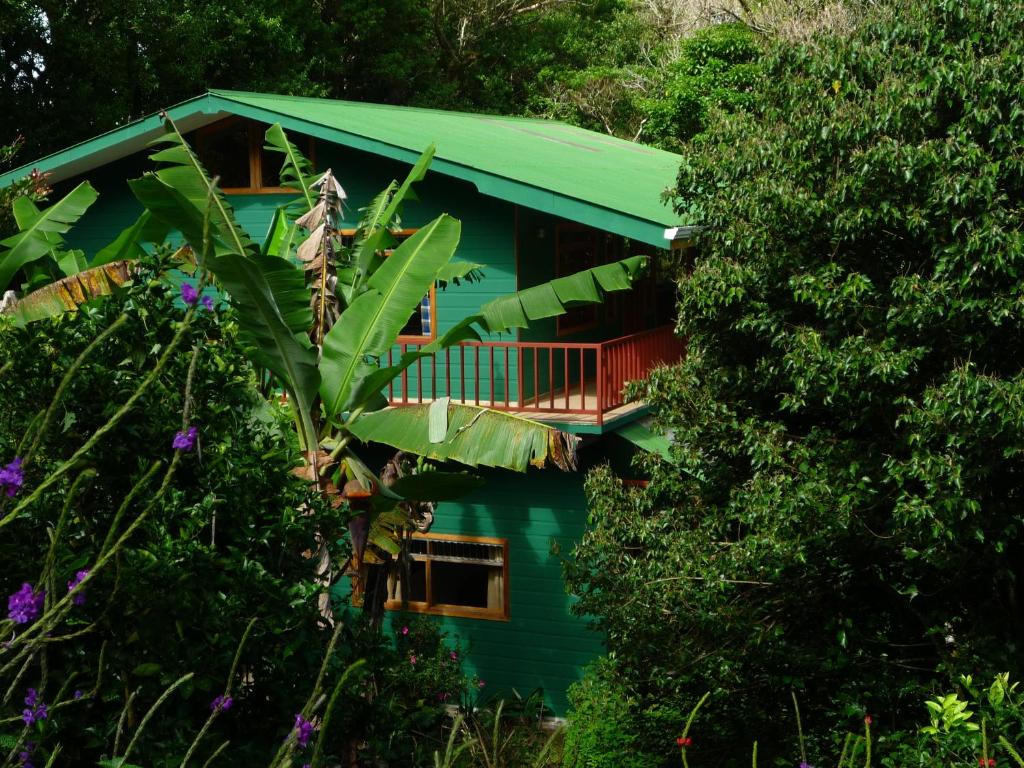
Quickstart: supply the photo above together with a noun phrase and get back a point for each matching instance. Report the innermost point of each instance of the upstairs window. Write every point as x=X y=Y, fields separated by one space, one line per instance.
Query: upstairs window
x=454 y=576
x=232 y=150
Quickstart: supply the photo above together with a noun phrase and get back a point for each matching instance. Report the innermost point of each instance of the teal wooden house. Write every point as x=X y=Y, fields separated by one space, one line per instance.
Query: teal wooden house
x=537 y=199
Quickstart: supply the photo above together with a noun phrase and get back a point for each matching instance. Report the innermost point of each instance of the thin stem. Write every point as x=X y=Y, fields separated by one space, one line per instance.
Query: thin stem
x=152 y=711
x=689 y=722
x=120 y=720
x=66 y=380
x=799 y=727
x=112 y=422
x=753 y=757
x=1012 y=752
x=325 y=722
x=846 y=746
x=227 y=690
x=50 y=619
x=135 y=490
x=215 y=754
x=51 y=555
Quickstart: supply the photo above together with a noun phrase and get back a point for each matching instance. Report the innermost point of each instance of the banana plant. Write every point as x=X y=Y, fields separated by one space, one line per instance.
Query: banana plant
x=40 y=234
x=320 y=314
x=60 y=280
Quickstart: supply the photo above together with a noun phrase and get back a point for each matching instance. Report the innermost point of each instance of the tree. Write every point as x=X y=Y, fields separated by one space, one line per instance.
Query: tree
x=841 y=516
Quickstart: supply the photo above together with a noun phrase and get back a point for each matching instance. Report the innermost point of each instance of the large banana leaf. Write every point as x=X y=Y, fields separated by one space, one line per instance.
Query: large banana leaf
x=71 y=292
x=372 y=322
x=374 y=232
x=128 y=244
x=554 y=298
x=40 y=233
x=457 y=271
x=475 y=437
x=180 y=192
x=297 y=170
x=272 y=300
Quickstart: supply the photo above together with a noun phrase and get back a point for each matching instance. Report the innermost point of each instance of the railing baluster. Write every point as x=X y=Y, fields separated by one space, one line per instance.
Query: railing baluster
x=419 y=380
x=448 y=371
x=536 y=381
x=583 y=381
x=462 y=372
x=565 y=378
x=391 y=384
x=476 y=372
x=490 y=395
x=405 y=378
x=507 y=377
x=551 y=376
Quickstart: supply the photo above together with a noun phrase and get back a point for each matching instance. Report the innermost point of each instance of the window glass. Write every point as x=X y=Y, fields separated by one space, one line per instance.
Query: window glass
x=460 y=584
x=225 y=153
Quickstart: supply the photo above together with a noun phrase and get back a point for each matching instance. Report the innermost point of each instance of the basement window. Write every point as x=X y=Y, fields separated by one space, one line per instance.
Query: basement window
x=454 y=576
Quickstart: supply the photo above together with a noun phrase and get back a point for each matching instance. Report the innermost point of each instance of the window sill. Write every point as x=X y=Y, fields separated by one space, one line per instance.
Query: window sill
x=453 y=611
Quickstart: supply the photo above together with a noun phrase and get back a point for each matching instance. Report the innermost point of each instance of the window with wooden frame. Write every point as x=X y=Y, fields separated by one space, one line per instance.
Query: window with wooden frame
x=454 y=575
x=232 y=150
x=422 y=325
x=577 y=248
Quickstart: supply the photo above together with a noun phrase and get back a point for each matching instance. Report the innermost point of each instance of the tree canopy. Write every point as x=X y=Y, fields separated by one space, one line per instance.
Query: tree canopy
x=842 y=512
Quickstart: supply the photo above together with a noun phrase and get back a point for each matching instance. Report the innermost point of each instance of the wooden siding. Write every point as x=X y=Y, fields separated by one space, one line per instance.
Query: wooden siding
x=542 y=645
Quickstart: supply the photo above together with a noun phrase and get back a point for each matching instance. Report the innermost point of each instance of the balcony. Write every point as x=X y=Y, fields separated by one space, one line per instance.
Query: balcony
x=575 y=384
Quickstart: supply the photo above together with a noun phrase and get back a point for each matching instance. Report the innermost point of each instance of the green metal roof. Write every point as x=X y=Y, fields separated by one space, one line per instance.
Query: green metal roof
x=580 y=175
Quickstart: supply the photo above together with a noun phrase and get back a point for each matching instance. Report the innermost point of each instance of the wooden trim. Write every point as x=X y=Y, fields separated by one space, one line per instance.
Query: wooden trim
x=458 y=611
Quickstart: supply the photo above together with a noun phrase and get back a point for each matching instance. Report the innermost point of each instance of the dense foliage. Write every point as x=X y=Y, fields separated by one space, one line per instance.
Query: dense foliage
x=74 y=70
x=842 y=513
x=227 y=544
x=222 y=546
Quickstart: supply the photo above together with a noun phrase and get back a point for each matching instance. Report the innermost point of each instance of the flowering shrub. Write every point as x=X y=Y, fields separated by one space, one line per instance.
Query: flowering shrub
x=191 y=556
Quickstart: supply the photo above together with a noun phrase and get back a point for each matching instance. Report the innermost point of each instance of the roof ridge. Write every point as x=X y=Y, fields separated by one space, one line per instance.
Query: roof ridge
x=227 y=93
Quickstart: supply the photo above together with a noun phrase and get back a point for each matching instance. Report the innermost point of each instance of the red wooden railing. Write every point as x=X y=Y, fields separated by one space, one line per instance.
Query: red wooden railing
x=535 y=377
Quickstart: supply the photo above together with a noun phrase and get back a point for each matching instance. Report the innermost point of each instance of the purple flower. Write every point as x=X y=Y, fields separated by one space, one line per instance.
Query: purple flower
x=35 y=709
x=79 y=598
x=303 y=730
x=480 y=683
x=189 y=294
x=405 y=630
x=77 y=695
x=805 y=764
x=207 y=302
x=412 y=660
x=25 y=756
x=185 y=441
x=25 y=605
x=455 y=656
x=12 y=477
x=222 y=703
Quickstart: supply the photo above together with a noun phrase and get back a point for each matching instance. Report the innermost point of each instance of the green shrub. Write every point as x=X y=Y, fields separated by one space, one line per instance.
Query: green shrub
x=841 y=513
x=603 y=729
x=221 y=547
